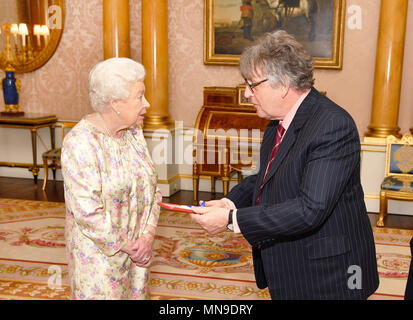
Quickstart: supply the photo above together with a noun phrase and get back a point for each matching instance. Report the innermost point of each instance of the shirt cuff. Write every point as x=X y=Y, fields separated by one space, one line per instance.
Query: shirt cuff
x=235 y=222
x=229 y=203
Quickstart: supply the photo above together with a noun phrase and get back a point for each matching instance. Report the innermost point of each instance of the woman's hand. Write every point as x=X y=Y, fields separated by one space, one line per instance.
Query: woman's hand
x=144 y=264
x=142 y=251
x=128 y=247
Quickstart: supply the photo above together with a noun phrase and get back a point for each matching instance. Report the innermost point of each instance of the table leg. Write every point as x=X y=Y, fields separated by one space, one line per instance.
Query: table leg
x=212 y=184
x=34 y=169
x=195 y=180
x=239 y=177
x=53 y=142
x=225 y=182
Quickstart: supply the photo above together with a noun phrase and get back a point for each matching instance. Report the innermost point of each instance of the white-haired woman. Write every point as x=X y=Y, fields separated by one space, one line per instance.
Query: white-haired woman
x=110 y=188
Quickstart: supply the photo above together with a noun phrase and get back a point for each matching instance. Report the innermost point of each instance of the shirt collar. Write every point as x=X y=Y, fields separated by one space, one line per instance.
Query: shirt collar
x=290 y=115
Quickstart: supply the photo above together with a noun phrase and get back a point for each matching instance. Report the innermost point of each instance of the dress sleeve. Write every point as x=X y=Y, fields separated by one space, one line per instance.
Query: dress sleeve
x=152 y=222
x=83 y=195
x=148 y=225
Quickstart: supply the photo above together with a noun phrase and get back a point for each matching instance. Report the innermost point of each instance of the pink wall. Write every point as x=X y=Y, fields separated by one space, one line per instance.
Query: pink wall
x=60 y=87
x=351 y=87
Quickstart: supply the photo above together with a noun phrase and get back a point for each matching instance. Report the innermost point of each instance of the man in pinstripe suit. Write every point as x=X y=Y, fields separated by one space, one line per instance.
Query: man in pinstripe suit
x=303 y=212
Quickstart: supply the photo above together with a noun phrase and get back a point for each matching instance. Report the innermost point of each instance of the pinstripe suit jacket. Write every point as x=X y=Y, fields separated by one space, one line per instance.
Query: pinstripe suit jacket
x=311 y=225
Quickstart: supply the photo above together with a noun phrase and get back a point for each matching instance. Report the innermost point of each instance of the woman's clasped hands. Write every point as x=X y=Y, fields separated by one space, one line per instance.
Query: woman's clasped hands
x=140 y=250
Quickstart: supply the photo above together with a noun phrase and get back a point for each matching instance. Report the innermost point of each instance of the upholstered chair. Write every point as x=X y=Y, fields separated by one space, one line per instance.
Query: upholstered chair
x=398 y=176
x=51 y=158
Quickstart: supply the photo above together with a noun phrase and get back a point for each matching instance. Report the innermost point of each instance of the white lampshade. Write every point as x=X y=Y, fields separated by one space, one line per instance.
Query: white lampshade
x=45 y=30
x=37 y=29
x=14 y=28
x=23 y=29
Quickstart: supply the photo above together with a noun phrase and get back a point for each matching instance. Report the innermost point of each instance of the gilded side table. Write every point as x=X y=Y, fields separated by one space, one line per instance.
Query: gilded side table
x=32 y=122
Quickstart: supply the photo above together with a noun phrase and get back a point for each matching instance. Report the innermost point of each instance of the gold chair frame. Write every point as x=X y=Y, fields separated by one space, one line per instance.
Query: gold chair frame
x=55 y=162
x=385 y=195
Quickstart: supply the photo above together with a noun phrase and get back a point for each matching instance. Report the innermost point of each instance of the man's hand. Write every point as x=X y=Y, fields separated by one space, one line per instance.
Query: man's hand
x=213 y=219
x=223 y=203
x=216 y=203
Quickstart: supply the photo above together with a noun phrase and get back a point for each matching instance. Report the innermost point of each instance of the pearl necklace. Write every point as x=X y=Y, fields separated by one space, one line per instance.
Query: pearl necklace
x=120 y=141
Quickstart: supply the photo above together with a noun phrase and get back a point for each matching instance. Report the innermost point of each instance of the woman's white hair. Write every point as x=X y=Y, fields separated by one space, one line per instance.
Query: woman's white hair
x=112 y=79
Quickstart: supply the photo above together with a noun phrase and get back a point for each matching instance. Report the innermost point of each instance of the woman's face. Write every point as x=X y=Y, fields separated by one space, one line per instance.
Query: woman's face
x=133 y=109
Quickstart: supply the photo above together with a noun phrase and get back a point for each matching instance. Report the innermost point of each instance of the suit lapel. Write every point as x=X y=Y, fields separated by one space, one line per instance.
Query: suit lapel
x=303 y=114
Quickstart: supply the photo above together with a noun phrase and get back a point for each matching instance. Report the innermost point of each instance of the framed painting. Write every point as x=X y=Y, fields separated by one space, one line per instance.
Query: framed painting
x=232 y=25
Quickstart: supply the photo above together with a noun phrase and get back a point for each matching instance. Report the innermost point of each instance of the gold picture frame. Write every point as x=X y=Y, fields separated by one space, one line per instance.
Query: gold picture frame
x=242 y=101
x=320 y=29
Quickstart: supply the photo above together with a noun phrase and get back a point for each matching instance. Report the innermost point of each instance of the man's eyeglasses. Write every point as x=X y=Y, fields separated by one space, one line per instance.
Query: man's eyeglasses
x=254 y=84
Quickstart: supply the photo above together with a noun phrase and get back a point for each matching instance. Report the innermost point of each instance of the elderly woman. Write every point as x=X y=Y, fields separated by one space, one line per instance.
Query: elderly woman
x=110 y=188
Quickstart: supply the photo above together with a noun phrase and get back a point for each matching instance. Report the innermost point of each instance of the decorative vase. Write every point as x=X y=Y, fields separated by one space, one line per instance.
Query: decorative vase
x=11 y=89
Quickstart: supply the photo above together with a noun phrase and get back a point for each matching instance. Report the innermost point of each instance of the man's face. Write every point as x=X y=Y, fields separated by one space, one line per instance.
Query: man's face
x=269 y=102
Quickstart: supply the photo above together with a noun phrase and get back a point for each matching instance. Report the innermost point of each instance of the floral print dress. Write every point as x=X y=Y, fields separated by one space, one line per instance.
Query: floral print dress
x=111 y=197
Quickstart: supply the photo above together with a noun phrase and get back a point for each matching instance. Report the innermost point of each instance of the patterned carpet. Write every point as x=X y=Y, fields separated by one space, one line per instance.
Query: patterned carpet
x=188 y=263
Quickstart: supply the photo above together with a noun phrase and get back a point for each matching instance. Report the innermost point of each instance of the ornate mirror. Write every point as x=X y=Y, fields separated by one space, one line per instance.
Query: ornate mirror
x=30 y=31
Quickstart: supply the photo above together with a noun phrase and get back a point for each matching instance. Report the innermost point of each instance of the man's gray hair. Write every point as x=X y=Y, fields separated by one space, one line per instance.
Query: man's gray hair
x=112 y=79
x=281 y=58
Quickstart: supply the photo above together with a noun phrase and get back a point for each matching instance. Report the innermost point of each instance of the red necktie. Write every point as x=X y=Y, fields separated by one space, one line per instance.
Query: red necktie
x=278 y=138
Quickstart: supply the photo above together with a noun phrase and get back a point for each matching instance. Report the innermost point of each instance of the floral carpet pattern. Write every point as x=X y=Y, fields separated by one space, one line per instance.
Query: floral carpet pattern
x=191 y=264
x=188 y=262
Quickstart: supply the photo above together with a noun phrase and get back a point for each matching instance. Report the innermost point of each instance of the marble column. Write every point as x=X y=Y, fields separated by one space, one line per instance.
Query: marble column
x=116 y=30
x=155 y=60
x=388 y=72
